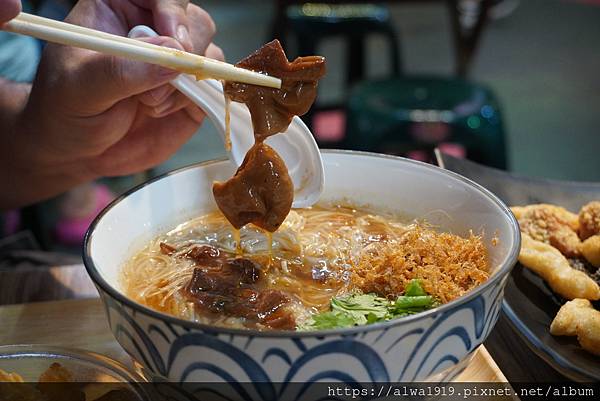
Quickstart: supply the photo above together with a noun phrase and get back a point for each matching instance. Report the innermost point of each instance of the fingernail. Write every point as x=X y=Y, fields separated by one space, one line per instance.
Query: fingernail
x=183 y=35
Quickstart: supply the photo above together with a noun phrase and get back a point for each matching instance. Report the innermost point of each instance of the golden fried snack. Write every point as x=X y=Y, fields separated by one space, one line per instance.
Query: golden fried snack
x=15 y=389
x=56 y=373
x=554 y=268
x=57 y=383
x=589 y=220
x=579 y=318
x=7 y=377
x=552 y=225
x=590 y=249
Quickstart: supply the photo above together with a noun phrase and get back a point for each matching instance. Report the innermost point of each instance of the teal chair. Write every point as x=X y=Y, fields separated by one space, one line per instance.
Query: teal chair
x=410 y=116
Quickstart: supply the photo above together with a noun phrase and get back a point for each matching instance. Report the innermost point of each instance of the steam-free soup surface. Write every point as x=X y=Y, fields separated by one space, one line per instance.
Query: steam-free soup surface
x=206 y=271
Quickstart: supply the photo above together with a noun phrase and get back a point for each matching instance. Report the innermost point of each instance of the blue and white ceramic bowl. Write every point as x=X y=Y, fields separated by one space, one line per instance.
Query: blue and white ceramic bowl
x=434 y=345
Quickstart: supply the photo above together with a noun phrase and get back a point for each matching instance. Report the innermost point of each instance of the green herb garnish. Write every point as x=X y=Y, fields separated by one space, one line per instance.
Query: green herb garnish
x=362 y=306
x=359 y=309
x=330 y=320
x=414 y=289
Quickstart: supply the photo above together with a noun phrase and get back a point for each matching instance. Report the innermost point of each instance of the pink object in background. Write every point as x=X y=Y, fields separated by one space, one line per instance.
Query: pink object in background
x=453 y=149
x=420 y=155
x=329 y=126
x=71 y=229
x=430 y=132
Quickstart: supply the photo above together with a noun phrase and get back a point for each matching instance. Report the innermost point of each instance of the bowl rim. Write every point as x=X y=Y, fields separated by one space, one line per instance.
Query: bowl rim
x=508 y=263
x=45 y=351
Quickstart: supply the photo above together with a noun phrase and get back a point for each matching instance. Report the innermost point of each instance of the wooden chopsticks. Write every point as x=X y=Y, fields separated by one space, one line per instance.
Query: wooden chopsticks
x=78 y=36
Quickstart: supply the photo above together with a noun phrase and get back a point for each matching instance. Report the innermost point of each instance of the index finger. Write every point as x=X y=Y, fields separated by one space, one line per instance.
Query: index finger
x=9 y=9
x=170 y=19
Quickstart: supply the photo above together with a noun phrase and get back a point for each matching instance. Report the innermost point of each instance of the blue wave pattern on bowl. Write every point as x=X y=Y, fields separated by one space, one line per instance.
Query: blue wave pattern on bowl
x=436 y=344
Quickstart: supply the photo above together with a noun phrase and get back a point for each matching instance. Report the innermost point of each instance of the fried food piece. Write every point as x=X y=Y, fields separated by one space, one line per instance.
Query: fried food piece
x=56 y=373
x=7 y=377
x=554 y=268
x=589 y=220
x=552 y=225
x=57 y=384
x=590 y=249
x=14 y=388
x=579 y=318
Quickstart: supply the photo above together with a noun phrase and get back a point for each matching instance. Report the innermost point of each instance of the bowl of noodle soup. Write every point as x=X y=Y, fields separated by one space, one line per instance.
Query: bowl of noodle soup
x=369 y=201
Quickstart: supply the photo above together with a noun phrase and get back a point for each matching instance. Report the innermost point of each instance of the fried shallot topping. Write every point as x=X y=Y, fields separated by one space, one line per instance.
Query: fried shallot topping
x=448 y=265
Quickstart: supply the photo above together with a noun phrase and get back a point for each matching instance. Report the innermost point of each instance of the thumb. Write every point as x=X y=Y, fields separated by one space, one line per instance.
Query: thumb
x=109 y=79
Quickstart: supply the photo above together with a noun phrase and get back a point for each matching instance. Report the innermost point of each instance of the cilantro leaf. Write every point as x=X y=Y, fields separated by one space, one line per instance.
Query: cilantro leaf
x=359 y=306
x=328 y=320
x=414 y=288
x=359 y=309
x=418 y=303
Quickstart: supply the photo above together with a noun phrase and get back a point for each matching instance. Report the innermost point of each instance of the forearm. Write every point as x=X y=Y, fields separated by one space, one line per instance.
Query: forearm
x=25 y=176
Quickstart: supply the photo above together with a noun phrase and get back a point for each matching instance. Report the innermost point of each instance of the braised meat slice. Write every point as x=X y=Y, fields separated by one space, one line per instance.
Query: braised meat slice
x=272 y=109
x=261 y=191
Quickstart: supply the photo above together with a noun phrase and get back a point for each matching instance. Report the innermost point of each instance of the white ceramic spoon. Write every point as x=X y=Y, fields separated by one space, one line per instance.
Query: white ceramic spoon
x=296 y=145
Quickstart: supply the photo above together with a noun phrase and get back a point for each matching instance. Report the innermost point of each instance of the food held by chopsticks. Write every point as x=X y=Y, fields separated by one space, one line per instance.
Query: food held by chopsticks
x=272 y=109
x=564 y=249
x=261 y=191
x=579 y=318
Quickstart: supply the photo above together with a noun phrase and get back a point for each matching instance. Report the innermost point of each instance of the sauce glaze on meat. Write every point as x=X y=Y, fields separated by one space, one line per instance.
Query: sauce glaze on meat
x=261 y=191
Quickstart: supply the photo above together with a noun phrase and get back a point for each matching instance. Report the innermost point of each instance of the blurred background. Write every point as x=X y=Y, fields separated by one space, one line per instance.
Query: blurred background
x=510 y=84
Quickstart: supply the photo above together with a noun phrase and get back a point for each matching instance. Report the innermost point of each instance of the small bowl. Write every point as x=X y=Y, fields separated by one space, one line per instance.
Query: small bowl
x=30 y=361
x=434 y=345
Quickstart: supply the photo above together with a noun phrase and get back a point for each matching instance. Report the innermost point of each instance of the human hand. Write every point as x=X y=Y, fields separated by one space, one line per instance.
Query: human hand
x=90 y=115
x=9 y=9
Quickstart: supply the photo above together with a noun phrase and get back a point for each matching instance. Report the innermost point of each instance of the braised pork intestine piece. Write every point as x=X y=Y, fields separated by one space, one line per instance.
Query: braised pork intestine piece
x=554 y=268
x=272 y=109
x=261 y=191
x=579 y=318
x=264 y=197
x=552 y=225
